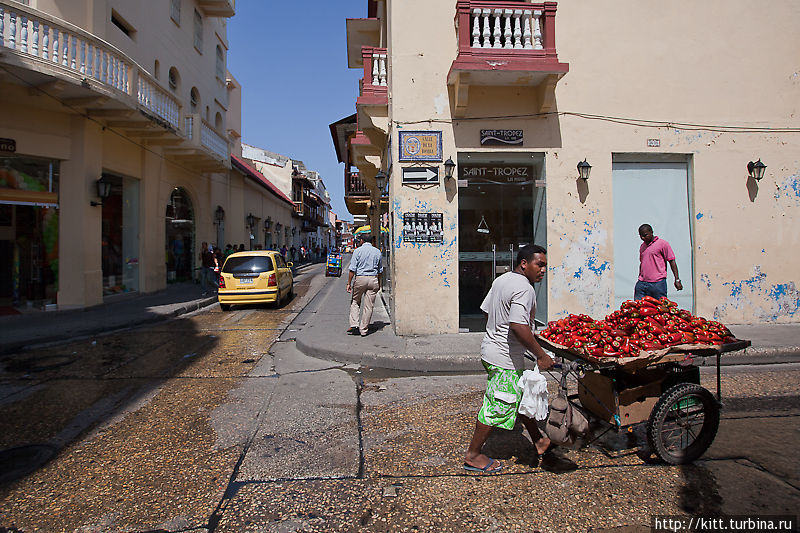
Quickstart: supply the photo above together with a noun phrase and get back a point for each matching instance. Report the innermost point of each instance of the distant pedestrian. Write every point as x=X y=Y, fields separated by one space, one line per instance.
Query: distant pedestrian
x=241 y=248
x=284 y=251
x=654 y=254
x=228 y=250
x=363 y=284
x=208 y=262
x=302 y=253
x=292 y=253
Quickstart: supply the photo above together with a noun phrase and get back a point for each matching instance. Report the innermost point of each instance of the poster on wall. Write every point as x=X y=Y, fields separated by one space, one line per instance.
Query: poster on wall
x=423 y=228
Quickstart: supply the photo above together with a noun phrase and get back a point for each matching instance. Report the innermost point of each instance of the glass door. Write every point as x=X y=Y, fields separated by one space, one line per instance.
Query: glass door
x=500 y=209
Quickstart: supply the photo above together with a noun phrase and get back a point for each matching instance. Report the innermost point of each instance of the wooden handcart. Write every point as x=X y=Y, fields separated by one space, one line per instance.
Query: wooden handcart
x=661 y=389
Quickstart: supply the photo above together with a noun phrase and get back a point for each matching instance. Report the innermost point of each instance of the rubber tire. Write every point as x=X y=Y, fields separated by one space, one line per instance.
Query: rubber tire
x=225 y=307
x=659 y=415
x=291 y=290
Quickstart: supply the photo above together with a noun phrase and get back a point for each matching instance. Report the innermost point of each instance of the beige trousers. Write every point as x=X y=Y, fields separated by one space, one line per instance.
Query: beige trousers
x=365 y=289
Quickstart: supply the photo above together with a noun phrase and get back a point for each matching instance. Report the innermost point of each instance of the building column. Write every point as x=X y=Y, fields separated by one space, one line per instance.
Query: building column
x=152 y=241
x=80 y=271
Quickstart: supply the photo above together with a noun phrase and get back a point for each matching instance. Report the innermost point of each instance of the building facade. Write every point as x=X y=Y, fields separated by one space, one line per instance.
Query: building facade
x=668 y=105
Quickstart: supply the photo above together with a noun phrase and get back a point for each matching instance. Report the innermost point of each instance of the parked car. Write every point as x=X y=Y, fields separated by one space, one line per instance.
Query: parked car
x=259 y=276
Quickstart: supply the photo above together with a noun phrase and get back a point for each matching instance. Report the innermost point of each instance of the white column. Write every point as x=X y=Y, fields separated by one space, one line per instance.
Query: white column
x=45 y=41
x=74 y=52
x=82 y=57
x=375 y=75
x=507 y=33
x=55 y=45
x=526 y=30
x=64 y=49
x=382 y=69
x=12 y=38
x=35 y=43
x=487 y=30
x=23 y=34
x=537 y=31
x=476 y=28
x=517 y=29
x=496 y=34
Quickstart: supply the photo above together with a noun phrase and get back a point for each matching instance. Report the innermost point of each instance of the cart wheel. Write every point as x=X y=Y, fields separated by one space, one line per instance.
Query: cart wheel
x=683 y=423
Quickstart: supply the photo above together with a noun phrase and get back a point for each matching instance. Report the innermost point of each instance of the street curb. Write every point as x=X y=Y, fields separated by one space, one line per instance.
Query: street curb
x=23 y=345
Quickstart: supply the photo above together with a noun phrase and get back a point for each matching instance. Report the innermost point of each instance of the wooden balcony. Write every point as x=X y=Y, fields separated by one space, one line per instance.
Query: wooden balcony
x=353 y=186
x=509 y=44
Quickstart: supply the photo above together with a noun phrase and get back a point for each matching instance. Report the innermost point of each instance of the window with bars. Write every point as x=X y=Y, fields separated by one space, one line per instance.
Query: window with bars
x=198 y=31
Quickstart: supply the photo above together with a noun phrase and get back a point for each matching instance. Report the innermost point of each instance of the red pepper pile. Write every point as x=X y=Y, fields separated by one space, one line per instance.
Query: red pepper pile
x=646 y=324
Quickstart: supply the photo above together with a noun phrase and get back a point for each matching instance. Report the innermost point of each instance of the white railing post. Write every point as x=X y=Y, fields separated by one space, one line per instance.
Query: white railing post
x=2 y=25
x=497 y=30
x=375 y=74
x=487 y=30
x=46 y=42
x=35 y=42
x=65 y=49
x=55 y=45
x=507 y=33
x=73 y=52
x=82 y=55
x=526 y=30
x=12 y=38
x=537 y=31
x=517 y=29
x=23 y=33
x=476 y=28
x=382 y=69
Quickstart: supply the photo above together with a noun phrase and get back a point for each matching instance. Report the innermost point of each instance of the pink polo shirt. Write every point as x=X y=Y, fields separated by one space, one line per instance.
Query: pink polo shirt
x=653 y=259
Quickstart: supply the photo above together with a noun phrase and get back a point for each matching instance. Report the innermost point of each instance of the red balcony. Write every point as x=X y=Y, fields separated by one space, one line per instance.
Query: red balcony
x=505 y=44
x=353 y=186
x=373 y=85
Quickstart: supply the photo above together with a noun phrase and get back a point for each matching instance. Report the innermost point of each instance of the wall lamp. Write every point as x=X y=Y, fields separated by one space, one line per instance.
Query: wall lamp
x=381 y=180
x=449 y=168
x=267 y=223
x=219 y=215
x=584 y=169
x=756 y=170
x=251 y=221
x=103 y=190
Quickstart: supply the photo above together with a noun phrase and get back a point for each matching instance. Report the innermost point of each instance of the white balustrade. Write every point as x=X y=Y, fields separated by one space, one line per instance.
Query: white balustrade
x=214 y=141
x=379 y=69
x=156 y=100
x=188 y=126
x=28 y=32
x=506 y=28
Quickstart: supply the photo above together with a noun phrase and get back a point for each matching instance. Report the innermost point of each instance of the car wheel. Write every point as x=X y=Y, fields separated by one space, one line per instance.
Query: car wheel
x=225 y=307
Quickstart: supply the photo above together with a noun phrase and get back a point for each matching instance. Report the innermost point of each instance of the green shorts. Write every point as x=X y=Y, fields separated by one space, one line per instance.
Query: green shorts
x=502 y=397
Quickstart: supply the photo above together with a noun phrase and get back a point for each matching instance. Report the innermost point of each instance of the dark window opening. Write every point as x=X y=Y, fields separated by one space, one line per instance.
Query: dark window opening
x=122 y=24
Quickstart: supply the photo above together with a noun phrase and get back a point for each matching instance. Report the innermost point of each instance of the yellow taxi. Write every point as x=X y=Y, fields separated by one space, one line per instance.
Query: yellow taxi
x=258 y=276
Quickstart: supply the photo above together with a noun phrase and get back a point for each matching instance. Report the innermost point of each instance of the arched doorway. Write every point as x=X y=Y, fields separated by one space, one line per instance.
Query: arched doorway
x=179 y=236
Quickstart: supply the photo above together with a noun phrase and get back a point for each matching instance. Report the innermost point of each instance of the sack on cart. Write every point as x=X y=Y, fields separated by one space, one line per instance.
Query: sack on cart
x=565 y=423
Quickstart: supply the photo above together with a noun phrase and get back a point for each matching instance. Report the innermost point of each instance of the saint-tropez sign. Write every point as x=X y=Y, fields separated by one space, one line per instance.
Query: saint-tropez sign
x=501 y=137
x=500 y=173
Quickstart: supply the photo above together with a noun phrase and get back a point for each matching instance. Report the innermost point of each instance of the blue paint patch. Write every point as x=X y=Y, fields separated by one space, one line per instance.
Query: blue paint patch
x=704 y=279
x=594 y=267
x=578 y=273
x=790 y=188
x=763 y=251
x=699 y=216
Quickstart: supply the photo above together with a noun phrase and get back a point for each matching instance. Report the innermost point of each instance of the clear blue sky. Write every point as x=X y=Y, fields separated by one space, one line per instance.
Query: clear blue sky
x=291 y=59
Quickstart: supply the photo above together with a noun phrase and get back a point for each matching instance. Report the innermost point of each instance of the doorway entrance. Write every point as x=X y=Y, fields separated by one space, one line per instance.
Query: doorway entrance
x=120 y=234
x=501 y=208
x=180 y=236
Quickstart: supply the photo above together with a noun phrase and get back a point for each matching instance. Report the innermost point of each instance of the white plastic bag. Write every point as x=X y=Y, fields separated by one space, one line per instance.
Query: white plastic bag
x=534 y=395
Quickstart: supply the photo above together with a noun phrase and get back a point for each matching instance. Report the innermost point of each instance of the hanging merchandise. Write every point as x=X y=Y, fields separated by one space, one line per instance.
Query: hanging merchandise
x=483 y=227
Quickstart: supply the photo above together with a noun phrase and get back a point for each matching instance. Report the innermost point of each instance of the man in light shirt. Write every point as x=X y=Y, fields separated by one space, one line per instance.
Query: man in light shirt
x=363 y=284
x=511 y=307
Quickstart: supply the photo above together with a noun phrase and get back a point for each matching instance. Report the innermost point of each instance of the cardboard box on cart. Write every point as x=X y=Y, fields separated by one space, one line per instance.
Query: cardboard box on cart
x=632 y=401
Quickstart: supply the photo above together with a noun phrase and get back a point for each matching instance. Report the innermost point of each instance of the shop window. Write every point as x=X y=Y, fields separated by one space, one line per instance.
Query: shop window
x=198 y=31
x=175 y=11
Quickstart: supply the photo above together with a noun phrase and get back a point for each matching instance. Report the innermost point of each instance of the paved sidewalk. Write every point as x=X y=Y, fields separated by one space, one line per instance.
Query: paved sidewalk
x=39 y=327
x=320 y=332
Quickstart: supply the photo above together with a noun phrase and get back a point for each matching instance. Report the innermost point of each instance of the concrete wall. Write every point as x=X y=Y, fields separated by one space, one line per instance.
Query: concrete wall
x=680 y=62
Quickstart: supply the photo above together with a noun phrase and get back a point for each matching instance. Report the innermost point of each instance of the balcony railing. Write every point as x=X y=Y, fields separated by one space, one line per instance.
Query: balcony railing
x=521 y=36
x=353 y=186
x=214 y=141
x=72 y=51
x=373 y=84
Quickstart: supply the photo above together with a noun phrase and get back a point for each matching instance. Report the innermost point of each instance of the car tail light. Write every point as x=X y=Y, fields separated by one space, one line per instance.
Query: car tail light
x=221 y=282
x=273 y=281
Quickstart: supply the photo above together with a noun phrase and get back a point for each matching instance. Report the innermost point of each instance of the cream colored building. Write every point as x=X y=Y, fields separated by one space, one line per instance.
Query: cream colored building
x=667 y=102
x=132 y=100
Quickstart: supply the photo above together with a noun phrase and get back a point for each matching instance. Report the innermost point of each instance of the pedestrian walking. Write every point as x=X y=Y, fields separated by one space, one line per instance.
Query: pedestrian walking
x=292 y=253
x=363 y=284
x=228 y=250
x=654 y=254
x=208 y=262
x=511 y=307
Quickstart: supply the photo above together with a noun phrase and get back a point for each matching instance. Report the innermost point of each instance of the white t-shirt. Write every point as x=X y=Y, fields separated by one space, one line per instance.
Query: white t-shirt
x=511 y=299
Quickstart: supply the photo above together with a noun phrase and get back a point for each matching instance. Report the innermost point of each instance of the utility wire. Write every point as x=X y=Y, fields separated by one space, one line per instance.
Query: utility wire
x=637 y=122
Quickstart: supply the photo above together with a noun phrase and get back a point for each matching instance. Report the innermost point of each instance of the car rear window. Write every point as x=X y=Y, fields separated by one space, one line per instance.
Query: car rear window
x=248 y=265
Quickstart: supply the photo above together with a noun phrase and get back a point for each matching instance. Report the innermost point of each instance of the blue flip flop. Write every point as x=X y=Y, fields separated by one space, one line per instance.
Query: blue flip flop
x=486 y=469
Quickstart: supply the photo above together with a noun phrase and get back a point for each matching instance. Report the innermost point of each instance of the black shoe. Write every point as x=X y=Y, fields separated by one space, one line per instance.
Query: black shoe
x=352 y=331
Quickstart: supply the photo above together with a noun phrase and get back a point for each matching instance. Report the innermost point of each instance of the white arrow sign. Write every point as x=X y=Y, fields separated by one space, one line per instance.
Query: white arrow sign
x=420 y=174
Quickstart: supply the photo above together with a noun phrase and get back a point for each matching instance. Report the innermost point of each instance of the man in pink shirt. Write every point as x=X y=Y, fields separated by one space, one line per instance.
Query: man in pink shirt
x=654 y=254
